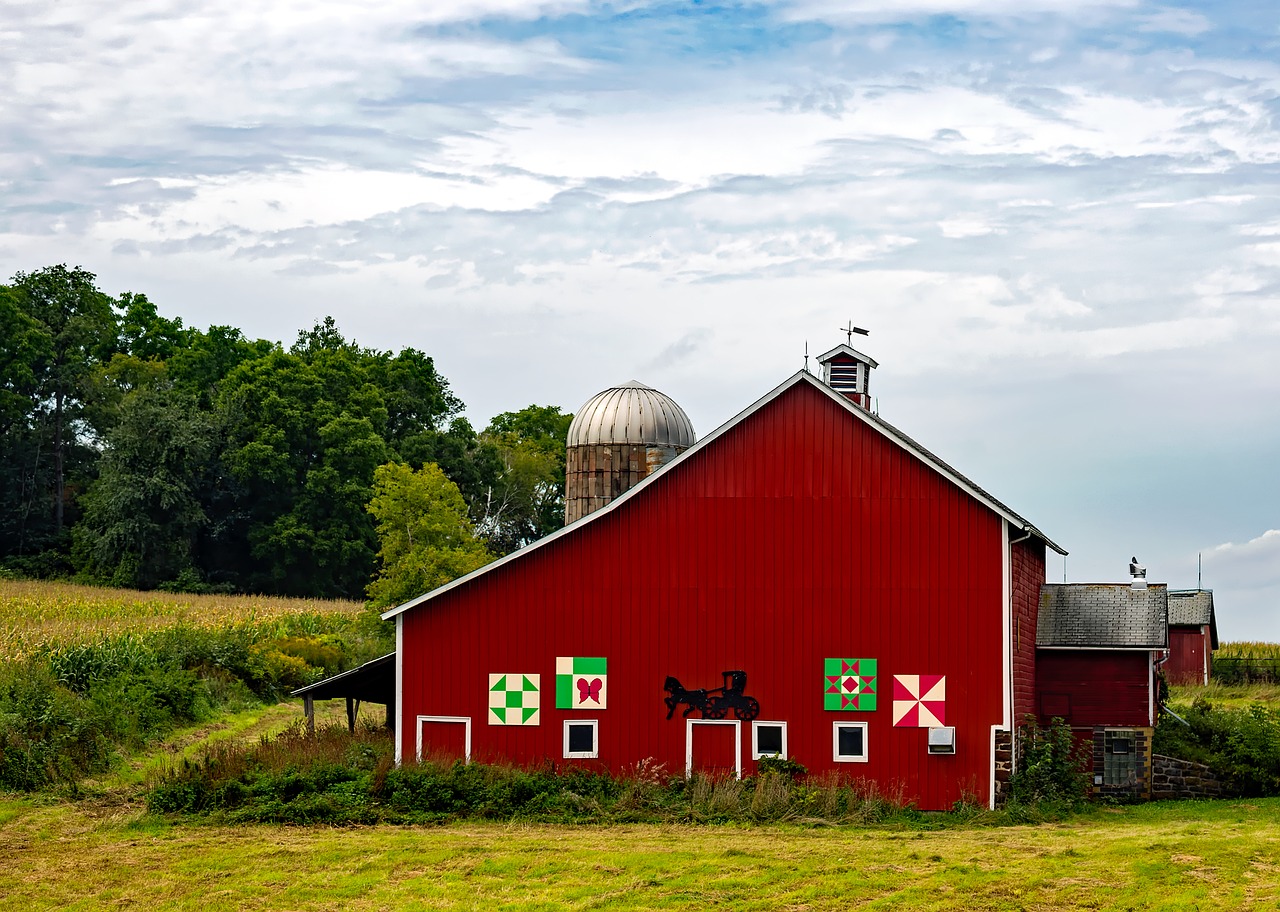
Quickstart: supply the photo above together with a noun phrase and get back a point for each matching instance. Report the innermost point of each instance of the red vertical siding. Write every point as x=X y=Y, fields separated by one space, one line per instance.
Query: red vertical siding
x=1026 y=571
x=1109 y=688
x=798 y=535
x=1188 y=647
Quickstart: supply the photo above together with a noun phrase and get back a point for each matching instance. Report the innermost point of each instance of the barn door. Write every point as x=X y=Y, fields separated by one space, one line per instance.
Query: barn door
x=713 y=747
x=444 y=738
x=1195 y=658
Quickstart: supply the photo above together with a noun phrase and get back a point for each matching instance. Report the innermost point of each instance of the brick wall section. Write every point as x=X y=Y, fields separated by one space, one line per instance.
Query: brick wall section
x=1026 y=569
x=1173 y=778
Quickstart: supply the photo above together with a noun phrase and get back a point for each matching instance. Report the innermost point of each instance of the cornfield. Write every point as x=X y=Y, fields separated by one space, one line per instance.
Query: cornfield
x=39 y=614
x=1247 y=663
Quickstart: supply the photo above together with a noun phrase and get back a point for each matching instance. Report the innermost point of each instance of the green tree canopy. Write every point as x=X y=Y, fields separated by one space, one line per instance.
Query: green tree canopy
x=526 y=499
x=425 y=536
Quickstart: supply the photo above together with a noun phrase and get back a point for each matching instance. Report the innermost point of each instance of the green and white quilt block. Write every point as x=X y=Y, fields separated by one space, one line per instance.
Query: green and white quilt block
x=582 y=682
x=514 y=699
x=849 y=684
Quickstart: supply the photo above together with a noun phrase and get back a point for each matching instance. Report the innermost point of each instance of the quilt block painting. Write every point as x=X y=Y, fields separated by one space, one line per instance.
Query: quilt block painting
x=582 y=682
x=514 y=699
x=919 y=701
x=849 y=684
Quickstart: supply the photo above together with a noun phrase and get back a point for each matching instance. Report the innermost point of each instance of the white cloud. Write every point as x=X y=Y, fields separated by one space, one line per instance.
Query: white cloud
x=1253 y=564
x=1177 y=21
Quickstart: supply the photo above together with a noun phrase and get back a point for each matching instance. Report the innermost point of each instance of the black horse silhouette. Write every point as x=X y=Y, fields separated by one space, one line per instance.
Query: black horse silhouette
x=715 y=702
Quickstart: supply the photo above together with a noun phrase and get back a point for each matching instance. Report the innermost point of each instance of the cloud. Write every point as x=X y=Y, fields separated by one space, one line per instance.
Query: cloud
x=1254 y=564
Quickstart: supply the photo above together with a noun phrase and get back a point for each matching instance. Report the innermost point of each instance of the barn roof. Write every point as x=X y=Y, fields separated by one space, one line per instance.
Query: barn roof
x=800 y=377
x=1103 y=616
x=1193 y=608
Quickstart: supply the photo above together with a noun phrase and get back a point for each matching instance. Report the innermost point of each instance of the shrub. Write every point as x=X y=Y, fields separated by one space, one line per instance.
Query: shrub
x=1052 y=766
x=1242 y=746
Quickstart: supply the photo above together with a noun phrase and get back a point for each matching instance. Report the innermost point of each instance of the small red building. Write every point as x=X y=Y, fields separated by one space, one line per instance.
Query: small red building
x=1098 y=648
x=1193 y=635
x=805 y=581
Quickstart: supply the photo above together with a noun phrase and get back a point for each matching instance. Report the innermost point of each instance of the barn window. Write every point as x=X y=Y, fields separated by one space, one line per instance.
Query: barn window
x=1119 y=758
x=849 y=742
x=580 y=739
x=768 y=739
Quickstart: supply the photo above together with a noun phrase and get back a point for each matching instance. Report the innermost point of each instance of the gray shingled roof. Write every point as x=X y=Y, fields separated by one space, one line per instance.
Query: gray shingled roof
x=1193 y=608
x=1103 y=615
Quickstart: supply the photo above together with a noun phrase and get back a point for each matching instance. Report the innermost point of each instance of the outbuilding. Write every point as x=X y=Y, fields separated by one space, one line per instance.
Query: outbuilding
x=1098 y=650
x=1193 y=636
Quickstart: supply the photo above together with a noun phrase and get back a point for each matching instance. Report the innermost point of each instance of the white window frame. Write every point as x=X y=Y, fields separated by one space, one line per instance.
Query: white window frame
x=464 y=720
x=688 y=743
x=592 y=754
x=835 y=742
x=755 y=739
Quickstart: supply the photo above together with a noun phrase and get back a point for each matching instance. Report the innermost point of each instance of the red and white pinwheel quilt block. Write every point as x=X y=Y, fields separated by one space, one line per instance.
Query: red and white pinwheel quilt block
x=919 y=701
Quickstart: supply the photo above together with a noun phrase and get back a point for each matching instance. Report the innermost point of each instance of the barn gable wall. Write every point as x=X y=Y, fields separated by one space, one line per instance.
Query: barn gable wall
x=800 y=534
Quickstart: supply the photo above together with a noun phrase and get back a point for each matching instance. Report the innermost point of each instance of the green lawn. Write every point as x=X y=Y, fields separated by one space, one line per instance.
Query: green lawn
x=1202 y=856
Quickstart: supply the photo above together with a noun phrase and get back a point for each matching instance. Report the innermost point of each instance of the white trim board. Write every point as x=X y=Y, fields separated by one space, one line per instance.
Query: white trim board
x=688 y=743
x=464 y=720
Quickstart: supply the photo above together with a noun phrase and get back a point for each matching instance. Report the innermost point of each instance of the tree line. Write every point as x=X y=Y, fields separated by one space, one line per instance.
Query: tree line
x=136 y=451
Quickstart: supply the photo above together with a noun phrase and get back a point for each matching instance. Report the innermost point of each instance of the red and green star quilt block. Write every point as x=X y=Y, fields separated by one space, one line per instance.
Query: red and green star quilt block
x=849 y=684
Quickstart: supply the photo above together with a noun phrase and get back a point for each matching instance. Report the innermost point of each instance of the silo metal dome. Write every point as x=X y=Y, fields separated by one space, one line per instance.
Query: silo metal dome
x=631 y=414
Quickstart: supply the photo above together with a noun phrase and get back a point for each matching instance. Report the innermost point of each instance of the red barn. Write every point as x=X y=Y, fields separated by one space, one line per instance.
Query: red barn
x=1193 y=635
x=1098 y=647
x=806 y=581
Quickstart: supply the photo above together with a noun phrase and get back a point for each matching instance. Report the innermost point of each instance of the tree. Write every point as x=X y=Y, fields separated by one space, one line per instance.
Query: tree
x=70 y=328
x=425 y=536
x=144 y=515
x=526 y=500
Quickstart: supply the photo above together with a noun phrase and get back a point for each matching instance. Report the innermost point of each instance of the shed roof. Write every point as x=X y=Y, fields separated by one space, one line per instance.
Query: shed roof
x=1103 y=616
x=796 y=379
x=372 y=682
x=1193 y=608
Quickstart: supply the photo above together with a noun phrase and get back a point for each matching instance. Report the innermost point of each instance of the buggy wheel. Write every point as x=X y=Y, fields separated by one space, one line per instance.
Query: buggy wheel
x=749 y=709
x=715 y=710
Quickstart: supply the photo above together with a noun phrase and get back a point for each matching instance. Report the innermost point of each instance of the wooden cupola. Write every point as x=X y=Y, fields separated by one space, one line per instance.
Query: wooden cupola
x=848 y=372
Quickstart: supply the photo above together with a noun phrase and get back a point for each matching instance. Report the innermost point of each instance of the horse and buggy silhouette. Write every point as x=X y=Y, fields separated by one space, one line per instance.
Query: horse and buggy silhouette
x=713 y=702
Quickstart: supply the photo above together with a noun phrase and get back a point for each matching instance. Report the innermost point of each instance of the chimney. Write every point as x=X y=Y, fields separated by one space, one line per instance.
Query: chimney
x=1137 y=575
x=848 y=372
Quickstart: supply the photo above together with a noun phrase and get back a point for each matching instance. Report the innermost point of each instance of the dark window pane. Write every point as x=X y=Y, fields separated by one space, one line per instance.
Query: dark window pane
x=769 y=739
x=850 y=741
x=582 y=739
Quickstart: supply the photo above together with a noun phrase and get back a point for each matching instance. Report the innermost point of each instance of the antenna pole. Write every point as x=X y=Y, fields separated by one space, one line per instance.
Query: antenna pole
x=806 y=354
x=1199 y=568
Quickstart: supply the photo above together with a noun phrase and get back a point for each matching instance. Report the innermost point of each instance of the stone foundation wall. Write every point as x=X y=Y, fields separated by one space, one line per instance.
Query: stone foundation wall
x=1004 y=766
x=1138 y=786
x=1173 y=778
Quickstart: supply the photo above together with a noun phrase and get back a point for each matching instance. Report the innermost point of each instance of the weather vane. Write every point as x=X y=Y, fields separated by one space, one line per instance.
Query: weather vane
x=850 y=330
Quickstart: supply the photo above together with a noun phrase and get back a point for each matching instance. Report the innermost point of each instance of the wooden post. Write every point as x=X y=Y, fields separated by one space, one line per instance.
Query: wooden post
x=351 y=715
x=309 y=708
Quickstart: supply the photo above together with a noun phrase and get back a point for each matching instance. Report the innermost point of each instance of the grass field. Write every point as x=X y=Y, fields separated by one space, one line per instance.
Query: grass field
x=1207 y=856
x=41 y=613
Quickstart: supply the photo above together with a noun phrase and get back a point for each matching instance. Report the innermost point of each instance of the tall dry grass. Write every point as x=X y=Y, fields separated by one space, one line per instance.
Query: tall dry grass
x=35 y=614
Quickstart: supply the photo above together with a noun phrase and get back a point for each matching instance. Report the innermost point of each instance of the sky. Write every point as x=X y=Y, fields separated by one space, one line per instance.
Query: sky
x=1060 y=220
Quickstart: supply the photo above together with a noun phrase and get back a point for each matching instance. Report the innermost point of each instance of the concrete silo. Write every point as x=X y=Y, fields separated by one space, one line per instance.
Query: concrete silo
x=617 y=438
